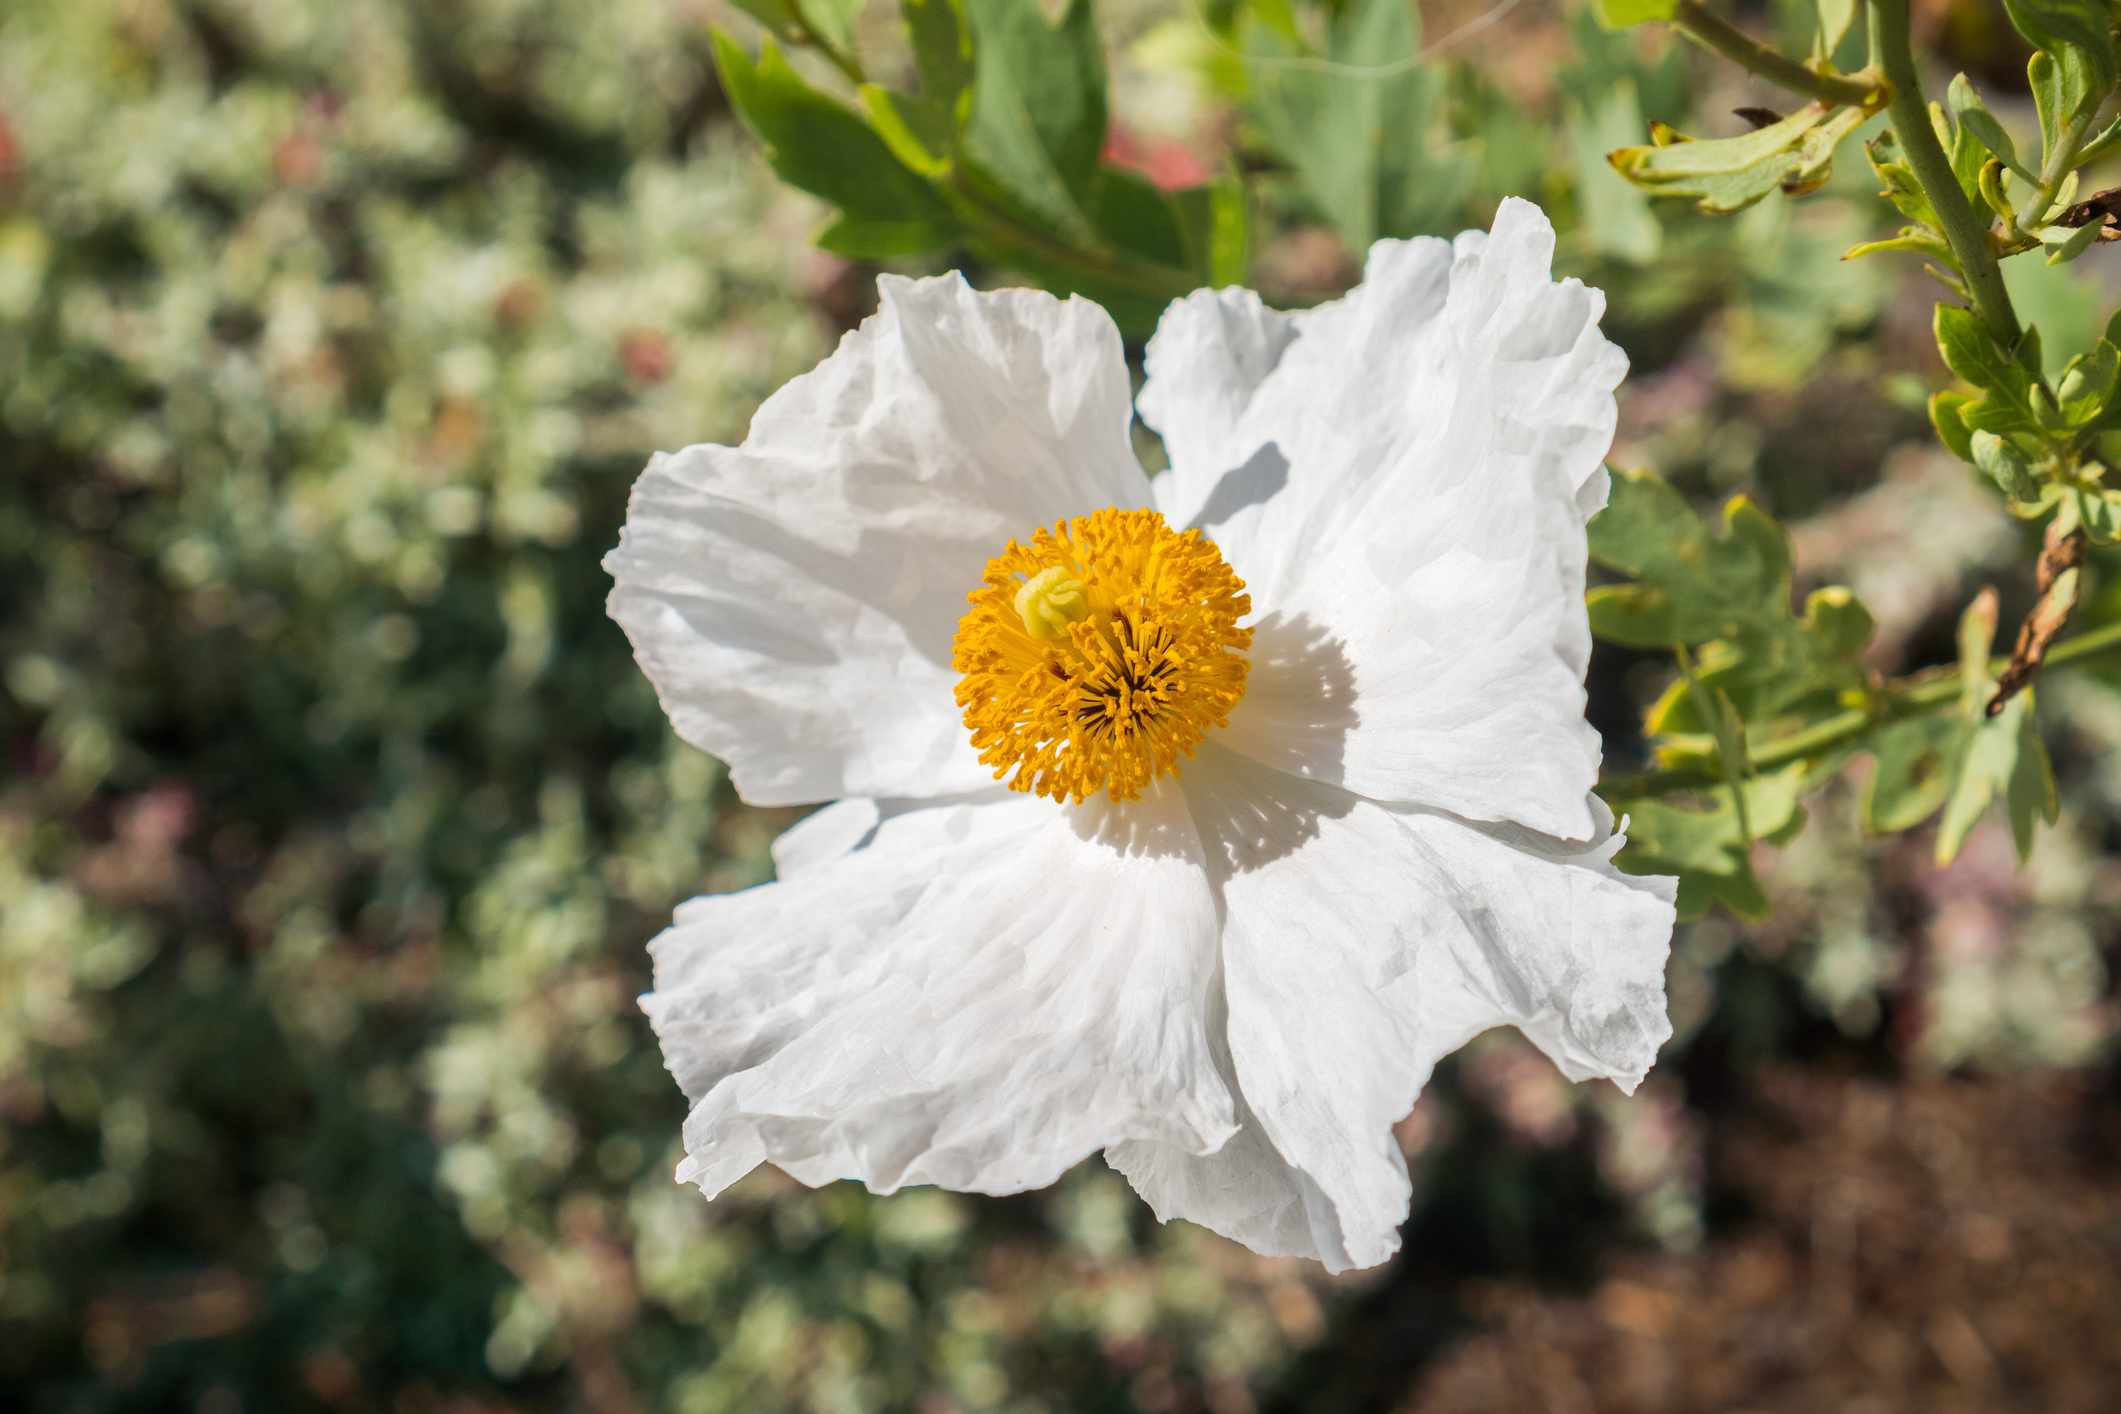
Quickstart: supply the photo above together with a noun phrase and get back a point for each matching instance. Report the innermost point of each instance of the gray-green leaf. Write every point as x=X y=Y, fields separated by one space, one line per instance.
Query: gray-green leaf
x=1360 y=135
x=1038 y=107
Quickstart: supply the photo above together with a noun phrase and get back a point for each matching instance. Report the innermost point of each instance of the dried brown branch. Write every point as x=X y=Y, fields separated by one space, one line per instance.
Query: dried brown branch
x=2056 y=578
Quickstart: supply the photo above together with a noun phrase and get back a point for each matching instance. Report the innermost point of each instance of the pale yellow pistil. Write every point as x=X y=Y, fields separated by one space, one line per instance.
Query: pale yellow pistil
x=1098 y=656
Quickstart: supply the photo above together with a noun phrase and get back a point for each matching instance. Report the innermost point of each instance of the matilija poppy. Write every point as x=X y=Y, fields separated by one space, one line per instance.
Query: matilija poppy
x=1191 y=818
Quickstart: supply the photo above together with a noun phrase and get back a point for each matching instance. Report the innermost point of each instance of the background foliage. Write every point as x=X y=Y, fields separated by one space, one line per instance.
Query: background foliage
x=331 y=338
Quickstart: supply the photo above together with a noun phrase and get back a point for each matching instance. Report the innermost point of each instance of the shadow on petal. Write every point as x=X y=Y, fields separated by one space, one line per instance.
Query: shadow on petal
x=1252 y=482
x=1250 y=814
x=1240 y=813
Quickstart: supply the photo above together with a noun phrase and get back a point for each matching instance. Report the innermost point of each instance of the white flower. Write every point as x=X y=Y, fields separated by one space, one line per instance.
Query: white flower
x=1231 y=977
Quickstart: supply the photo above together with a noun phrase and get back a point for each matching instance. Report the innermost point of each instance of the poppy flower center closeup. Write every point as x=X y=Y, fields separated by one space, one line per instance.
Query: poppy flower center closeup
x=1097 y=656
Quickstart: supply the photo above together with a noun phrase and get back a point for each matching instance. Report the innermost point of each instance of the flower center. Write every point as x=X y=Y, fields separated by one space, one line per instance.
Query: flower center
x=1098 y=656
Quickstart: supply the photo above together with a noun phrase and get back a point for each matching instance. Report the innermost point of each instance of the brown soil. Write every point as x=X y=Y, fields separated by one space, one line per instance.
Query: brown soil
x=1931 y=1245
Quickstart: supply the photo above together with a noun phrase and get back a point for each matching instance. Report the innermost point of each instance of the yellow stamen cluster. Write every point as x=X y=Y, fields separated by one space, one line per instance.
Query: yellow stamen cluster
x=1100 y=654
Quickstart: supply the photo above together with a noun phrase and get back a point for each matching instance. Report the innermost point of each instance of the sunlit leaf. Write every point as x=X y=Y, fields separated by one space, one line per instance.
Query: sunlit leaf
x=1729 y=174
x=1623 y=14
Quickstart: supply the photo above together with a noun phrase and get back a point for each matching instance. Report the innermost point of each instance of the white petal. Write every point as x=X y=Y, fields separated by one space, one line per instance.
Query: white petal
x=1210 y=353
x=1409 y=485
x=1362 y=944
x=794 y=599
x=978 y=997
x=826 y=835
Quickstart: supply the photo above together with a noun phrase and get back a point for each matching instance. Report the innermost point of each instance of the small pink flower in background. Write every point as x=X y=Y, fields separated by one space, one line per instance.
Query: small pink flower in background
x=1169 y=163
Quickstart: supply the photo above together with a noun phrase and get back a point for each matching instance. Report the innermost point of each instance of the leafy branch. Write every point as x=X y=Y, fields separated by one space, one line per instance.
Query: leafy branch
x=1697 y=22
x=1895 y=700
x=1968 y=238
x=1944 y=740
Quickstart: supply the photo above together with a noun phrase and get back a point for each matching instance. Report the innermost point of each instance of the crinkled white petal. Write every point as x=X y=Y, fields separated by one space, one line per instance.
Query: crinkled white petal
x=1361 y=944
x=978 y=997
x=793 y=599
x=1210 y=353
x=1409 y=479
x=824 y=835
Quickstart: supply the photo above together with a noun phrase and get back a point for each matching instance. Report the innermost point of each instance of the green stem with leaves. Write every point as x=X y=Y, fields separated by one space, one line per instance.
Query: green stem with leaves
x=1699 y=24
x=1966 y=233
x=1913 y=696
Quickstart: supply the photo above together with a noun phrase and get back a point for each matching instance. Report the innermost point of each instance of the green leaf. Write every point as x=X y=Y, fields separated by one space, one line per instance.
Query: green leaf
x=2079 y=33
x=1616 y=217
x=2005 y=465
x=831 y=20
x=1947 y=415
x=820 y=145
x=1691 y=586
x=921 y=134
x=1974 y=355
x=1359 y=134
x=1991 y=414
x=942 y=49
x=1216 y=221
x=1707 y=845
x=1038 y=107
x=1996 y=754
x=1897 y=180
x=1728 y=597
x=863 y=238
x=1968 y=111
x=1911 y=238
x=1133 y=213
x=1601 y=58
x=2001 y=755
x=2089 y=382
x=2072 y=243
x=2100 y=514
x=1625 y=14
x=1958 y=143
x=1836 y=17
x=1913 y=774
x=776 y=15
x=1278 y=16
x=1729 y=174
x=2044 y=77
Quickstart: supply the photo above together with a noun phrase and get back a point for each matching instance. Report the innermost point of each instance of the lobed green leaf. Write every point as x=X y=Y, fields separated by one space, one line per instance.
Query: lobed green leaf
x=1708 y=845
